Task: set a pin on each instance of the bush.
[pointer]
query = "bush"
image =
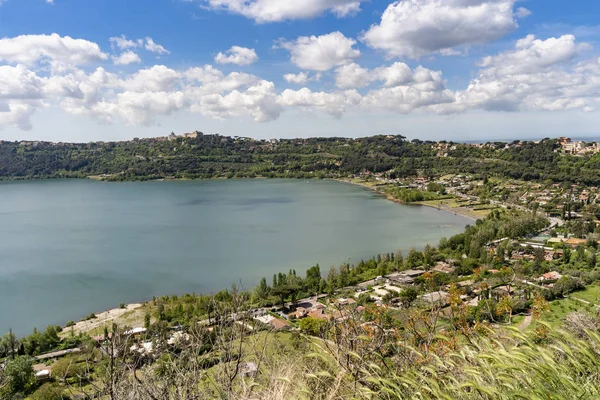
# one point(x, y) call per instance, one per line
point(67, 368)
point(312, 326)
point(49, 391)
point(91, 316)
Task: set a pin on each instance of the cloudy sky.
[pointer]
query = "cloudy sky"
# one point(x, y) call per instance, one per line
point(73, 70)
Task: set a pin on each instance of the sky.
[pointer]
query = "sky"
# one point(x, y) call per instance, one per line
point(80, 71)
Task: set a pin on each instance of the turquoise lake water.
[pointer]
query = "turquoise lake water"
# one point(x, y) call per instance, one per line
point(72, 247)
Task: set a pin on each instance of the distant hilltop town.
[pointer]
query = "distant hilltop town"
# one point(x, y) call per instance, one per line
point(567, 146)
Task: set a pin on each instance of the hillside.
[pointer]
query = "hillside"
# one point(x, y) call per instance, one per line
point(212, 156)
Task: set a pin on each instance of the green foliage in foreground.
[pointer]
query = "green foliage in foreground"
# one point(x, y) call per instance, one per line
point(17, 377)
point(563, 367)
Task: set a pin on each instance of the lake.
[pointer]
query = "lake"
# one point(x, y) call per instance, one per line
point(72, 247)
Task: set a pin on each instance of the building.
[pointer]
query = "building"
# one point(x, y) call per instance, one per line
point(279, 324)
point(319, 314)
point(346, 302)
point(550, 276)
point(444, 268)
point(438, 298)
point(42, 372)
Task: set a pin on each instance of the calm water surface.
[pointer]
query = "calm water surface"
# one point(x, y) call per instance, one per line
point(69, 248)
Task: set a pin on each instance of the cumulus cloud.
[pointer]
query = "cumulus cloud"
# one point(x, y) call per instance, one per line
point(263, 11)
point(155, 79)
point(19, 83)
point(414, 28)
point(31, 49)
point(355, 76)
point(302, 78)
point(258, 101)
point(213, 81)
point(122, 43)
point(155, 47)
point(126, 58)
point(531, 55)
point(405, 90)
point(16, 113)
point(237, 55)
point(321, 53)
point(333, 103)
point(536, 75)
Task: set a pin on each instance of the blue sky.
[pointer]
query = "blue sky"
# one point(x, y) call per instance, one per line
point(435, 69)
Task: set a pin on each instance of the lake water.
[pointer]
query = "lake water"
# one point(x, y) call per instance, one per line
point(72, 247)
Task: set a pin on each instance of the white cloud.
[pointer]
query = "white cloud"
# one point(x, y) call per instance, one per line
point(547, 75)
point(16, 113)
point(258, 101)
point(237, 55)
point(531, 55)
point(333, 103)
point(154, 47)
point(123, 43)
point(263, 11)
point(302, 78)
point(414, 28)
point(19, 83)
point(126, 58)
point(50, 1)
point(321, 53)
point(155, 79)
point(405, 90)
point(536, 75)
point(30, 49)
point(214, 81)
point(355, 76)
point(522, 12)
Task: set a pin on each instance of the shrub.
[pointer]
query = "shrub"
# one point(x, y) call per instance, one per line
point(48, 391)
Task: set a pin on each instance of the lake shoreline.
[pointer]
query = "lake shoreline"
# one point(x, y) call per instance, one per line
point(456, 211)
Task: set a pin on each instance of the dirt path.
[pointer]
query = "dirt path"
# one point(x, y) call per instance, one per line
point(525, 324)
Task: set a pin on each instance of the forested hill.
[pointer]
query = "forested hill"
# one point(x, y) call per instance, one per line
point(213, 156)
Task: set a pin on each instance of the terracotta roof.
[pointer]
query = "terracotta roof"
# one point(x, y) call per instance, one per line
point(318, 314)
point(279, 323)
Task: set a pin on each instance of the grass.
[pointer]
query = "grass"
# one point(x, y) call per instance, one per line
point(591, 294)
point(560, 308)
point(517, 320)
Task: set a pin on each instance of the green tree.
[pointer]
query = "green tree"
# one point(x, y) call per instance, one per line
point(313, 278)
point(429, 254)
point(67, 367)
point(19, 376)
point(262, 290)
point(312, 326)
point(414, 258)
point(408, 295)
point(9, 345)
